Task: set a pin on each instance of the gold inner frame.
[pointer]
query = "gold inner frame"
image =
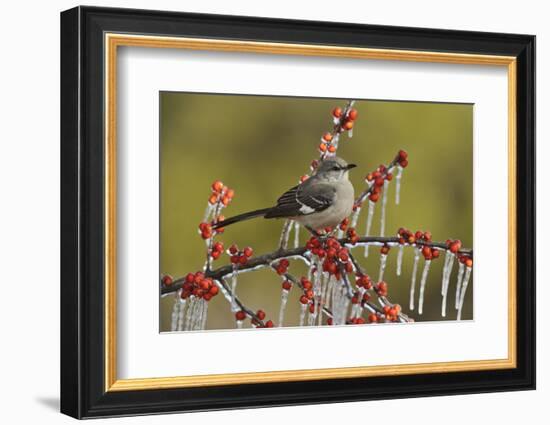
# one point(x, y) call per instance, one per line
point(113, 41)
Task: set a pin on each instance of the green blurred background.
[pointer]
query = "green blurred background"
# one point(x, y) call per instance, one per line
point(261, 145)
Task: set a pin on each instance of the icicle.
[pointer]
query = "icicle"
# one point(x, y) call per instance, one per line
point(413, 278)
point(285, 233)
point(239, 324)
point(284, 299)
point(175, 313)
point(181, 318)
point(370, 213)
point(354, 217)
point(383, 260)
point(303, 308)
point(328, 294)
point(208, 212)
point(234, 306)
point(190, 313)
point(445, 272)
point(383, 212)
point(423, 280)
point(398, 183)
point(296, 234)
point(400, 258)
point(350, 133)
point(458, 283)
point(204, 315)
point(463, 291)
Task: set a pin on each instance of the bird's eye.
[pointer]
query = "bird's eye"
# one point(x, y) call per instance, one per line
point(335, 168)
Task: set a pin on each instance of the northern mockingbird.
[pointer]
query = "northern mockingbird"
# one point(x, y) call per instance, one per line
point(323, 200)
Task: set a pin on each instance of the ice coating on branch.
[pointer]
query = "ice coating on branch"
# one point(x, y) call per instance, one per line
point(383, 212)
point(398, 177)
point(458, 283)
point(239, 324)
point(413, 278)
point(234, 306)
point(370, 213)
point(383, 260)
point(285, 233)
point(303, 308)
point(328, 293)
point(204, 315)
point(400, 259)
point(284, 300)
point(423, 281)
point(208, 212)
point(465, 281)
point(296, 234)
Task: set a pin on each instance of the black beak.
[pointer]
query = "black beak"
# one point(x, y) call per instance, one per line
point(350, 166)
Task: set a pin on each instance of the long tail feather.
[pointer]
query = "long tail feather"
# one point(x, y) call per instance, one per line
point(242, 217)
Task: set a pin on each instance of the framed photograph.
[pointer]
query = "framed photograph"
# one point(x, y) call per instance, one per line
point(261, 212)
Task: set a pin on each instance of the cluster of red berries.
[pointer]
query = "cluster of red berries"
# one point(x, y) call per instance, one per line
point(356, 321)
point(260, 315)
point(240, 257)
point(217, 250)
point(381, 289)
point(221, 193)
point(363, 281)
point(378, 177)
point(402, 158)
point(206, 230)
point(352, 235)
point(282, 266)
point(344, 123)
point(197, 285)
point(344, 224)
point(453, 245)
point(385, 249)
point(467, 261)
point(307, 288)
point(392, 312)
point(334, 254)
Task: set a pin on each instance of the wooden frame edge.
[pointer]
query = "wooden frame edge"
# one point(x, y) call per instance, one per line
point(114, 40)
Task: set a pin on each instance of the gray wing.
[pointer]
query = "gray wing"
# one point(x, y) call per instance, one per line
point(303, 199)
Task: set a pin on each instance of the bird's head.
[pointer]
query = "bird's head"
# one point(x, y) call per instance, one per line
point(333, 169)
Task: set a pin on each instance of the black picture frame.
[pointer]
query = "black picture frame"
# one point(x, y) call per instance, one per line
point(83, 392)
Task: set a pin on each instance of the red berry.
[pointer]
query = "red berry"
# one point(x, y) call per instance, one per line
point(327, 137)
point(385, 249)
point(190, 278)
point(435, 253)
point(373, 197)
point(269, 324)
point(426, 251)
point(287, 285)
point(242, 260)
point(167, 280)
point(248, 252)
point(329, 321)
point(260, 314)
point(332, 148)
point(207, 296)
point(233, 249)
point(217, 186)
point(373, 318)
point(404, 163)
point(322, 147)
point(359, 321)
point(469, 262)
point(352, 114)
point(337, 112)
point(304, 299)
point(403, 155)
point(455, 246)
point(214, 290)
point(348, 125)
point(240, 315)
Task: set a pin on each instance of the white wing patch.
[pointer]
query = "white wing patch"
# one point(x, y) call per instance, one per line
point(304, 209)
